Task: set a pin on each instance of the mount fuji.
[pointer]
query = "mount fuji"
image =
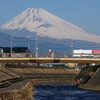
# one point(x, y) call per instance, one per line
point(40, 22)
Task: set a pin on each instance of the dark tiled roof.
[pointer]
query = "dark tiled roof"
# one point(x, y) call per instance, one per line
point(16, 50)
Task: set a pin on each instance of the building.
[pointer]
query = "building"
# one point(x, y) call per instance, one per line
point(96, 53)
point(16, 51)
point(82, 53)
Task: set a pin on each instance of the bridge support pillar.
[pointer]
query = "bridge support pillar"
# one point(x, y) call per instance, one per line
point(87, 64)
point(38, 64)
point(2, 65)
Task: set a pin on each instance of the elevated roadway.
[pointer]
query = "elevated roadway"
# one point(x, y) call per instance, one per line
point(50, 60)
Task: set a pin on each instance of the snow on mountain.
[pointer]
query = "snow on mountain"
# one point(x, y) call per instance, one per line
point(43, 23)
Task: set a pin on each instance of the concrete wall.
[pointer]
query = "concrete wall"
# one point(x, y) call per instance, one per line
point(92, 81)
point(95, 79)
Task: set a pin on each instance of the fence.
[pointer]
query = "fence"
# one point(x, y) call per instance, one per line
point(53, 55)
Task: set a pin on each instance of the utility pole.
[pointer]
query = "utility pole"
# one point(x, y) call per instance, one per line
point(36, 48)
point(72, 46)
point(11, 44)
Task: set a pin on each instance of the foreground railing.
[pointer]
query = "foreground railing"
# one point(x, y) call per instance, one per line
point(53, 55)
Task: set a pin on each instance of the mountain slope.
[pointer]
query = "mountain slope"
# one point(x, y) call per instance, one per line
point(38, 21)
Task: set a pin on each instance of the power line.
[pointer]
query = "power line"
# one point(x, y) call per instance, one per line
point(69, 42)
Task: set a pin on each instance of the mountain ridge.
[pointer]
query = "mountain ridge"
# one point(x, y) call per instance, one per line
point(41, 22)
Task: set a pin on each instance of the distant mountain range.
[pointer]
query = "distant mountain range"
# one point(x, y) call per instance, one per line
point(51, 31)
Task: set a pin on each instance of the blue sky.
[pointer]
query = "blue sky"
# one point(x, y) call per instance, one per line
point(84, 13)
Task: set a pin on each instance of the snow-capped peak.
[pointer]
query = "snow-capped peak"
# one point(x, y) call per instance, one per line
point(29, 19)
point(32, 18)
point(44, 23)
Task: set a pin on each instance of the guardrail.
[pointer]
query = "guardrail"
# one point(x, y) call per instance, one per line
point(52, 55)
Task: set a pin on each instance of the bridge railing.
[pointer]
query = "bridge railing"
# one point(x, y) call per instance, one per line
point(31, 55)
point(48, 55)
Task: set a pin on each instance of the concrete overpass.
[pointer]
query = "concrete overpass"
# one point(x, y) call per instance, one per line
point(50, 60)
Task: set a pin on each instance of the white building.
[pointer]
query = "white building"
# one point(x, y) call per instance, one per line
point(82, 53)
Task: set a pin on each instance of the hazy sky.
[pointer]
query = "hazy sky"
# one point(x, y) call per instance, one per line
point(84, 13)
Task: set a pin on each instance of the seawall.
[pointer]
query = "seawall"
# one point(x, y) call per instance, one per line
point(90, 78)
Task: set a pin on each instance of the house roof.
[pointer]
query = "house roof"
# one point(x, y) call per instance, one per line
point(16, 50)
